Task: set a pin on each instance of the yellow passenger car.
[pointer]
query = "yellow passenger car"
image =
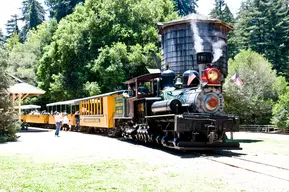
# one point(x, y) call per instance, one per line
point(98, 111)
point(69, 107)
point(37, 118)
point(32, 116)
point(26, 110)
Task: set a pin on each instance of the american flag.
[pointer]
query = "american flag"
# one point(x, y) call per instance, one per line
point(191, 78)
point(237, 80)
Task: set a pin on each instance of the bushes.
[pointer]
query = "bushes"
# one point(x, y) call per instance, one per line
point(261, 87)
point(281, 112)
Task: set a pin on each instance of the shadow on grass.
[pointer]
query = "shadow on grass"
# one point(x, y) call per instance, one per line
point(5, 140)
point(34, 130)
point(185, 154)
point(175, 152)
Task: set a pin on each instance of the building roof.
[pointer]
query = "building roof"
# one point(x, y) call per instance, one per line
point(103, 95)
point(76, 101)
point(68, 102)
point(22, 107)
point(143, 78)
point(192, 17)
point(25, 88)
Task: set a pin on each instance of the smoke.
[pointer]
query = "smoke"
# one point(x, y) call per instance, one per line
point(198, 40)
point(217, 49)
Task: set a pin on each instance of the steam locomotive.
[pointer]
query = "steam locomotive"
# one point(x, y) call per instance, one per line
point(181, 113)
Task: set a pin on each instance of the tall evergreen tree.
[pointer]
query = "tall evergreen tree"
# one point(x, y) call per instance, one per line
point(2, 38)
point(61, 8)
point(263, 26)
point(7, 123)
point(221, 11)
point(228, 17)
point(217, 11)
point(33, 15)
point(12, 25)
point(185, 7)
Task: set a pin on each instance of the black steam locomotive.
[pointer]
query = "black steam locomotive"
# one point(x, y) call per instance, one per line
point(176, 112)
point(181, 105)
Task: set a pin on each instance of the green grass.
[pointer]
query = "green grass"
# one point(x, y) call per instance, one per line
point(267, 146)
point(115, 175)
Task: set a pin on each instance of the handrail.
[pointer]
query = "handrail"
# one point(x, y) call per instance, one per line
point(263, 128)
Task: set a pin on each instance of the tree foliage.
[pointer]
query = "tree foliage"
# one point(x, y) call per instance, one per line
point(280, 112)
point(97, 39)
point(23, 59)
point(2, 39)
point(33, 15)
point(263, 26)
point(60, 8)
point(12, 26)
point(185, 7)
point(221, 11)
point(12, 41)
point(7, 121)
point(253, 100)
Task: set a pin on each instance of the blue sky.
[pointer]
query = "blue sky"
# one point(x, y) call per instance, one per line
point(11, 7)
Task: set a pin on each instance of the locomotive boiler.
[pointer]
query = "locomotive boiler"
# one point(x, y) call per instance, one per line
point(181, 105)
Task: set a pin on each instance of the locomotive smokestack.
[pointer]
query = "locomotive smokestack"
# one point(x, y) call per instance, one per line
point(203, 59)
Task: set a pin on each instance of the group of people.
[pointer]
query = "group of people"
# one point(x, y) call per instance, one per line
point(61, 120)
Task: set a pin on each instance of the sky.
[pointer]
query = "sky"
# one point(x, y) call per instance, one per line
point(11, 7)
point(8, 8)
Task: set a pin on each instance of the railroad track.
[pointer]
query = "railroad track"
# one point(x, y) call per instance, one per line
point(277, 172)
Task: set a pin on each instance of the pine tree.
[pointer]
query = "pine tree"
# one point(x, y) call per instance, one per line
point(2, 38)
point(33, 15)
point(221, 11)
point(12, 25)
point(276, 35)
point(263, 26)
point(61, 8)
point(7, 117)
point(228, 17)
point(185, 7)
point(217, 11)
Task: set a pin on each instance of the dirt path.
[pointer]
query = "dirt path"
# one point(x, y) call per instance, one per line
point(77, 147)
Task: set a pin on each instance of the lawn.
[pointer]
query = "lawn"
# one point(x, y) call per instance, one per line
point(18, 174)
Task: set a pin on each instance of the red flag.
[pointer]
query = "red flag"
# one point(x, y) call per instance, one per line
point(191, 78)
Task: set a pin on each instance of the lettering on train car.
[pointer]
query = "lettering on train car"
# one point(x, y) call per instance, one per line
point(119, 106)
point(91, 120)
point(34, 116)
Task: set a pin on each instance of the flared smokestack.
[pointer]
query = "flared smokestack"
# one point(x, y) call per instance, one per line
point(203, 59)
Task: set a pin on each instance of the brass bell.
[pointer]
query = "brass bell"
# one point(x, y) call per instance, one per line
point(178, 84)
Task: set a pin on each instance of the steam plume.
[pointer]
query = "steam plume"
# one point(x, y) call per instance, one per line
point(198, 40)
point(217, 49)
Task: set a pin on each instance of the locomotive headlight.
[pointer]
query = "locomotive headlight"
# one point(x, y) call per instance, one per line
point(213, 74)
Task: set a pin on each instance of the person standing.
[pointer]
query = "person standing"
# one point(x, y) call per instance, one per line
point(66, 124)
point(58, 120)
